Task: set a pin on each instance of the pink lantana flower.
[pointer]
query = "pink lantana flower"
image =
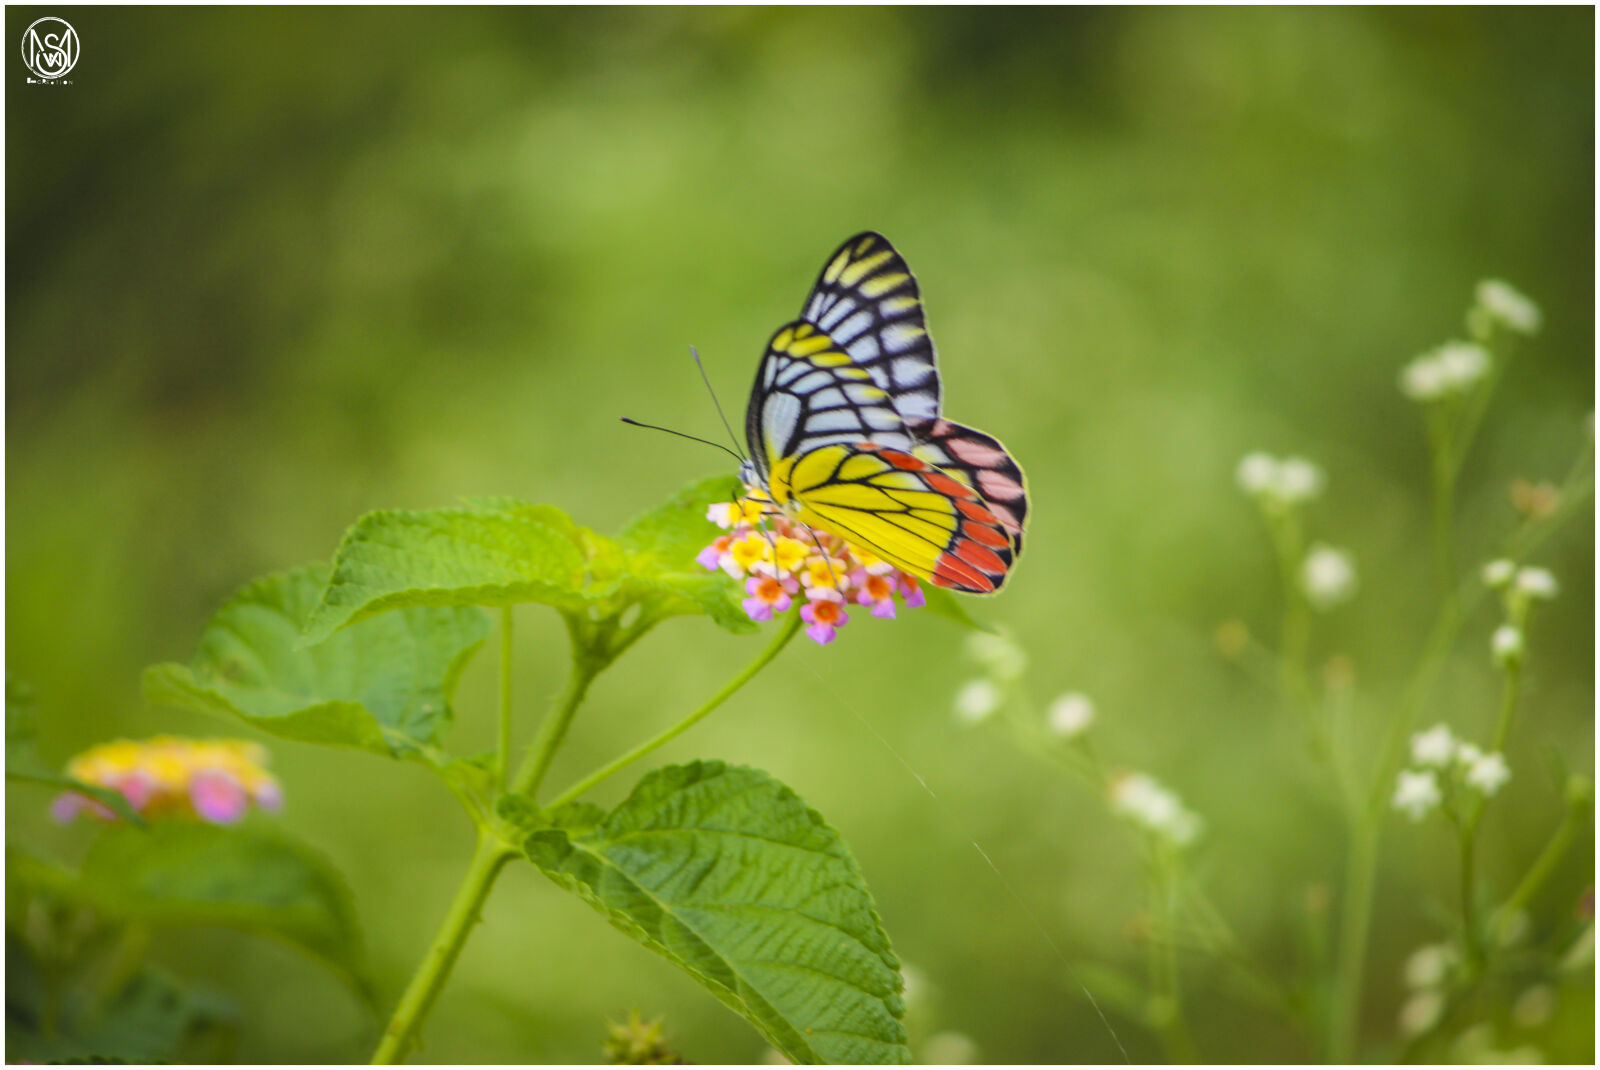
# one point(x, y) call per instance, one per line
point(825, 613)
point(875, 592)
point(215, 780)
point(768, 595)
point(775, 556)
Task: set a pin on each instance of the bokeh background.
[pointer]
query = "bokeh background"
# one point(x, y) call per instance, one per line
point(268, 270)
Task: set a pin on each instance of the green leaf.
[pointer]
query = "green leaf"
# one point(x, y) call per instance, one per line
point(383, 685)
point(23, 764)
point(248, 877)
point(660, 548)
point(726, 872)
point(941, 603)
point(490, 553)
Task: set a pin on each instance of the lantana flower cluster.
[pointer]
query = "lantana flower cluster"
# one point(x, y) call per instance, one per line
point(216, 780)
point(782, 562)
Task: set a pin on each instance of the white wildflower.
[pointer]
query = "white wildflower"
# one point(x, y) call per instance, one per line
point(1489, 773)
point(1142, 800)
point(1418, 1013)
point(1463, 363)
point(1507, 645)
point(1429, 965)
point(1423, 379)
point(1436, 746)
point(1070, 715)
point(1498, 573)
point(1328, 576)
point(1508, 306)
point(977, 701)
point(1467, 753)
point(950, 1049)
point(1257, 473)
point(1453, 368)
point(1537, 583)
point(1000, 657)
point(1287, 482)
point(1415, 793)
point(1299, 480)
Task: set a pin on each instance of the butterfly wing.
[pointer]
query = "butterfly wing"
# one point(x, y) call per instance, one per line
point(985, 466)
point(899, 507)
point(858, 366)
point(867, 301)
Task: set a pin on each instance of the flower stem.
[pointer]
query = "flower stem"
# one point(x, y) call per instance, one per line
point(398, 1039)
point(1577, 809)
point(553, 730)
point(502, 754)
point(791, 626)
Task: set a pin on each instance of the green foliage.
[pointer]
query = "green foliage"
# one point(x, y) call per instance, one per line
point(472, 556)
point(24, 765)
point(250, 877)
point(384, 685)
point(727, 873)
point(149, 1018)
point(500, 552)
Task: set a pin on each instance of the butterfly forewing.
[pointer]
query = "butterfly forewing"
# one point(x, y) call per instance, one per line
point(867, 301)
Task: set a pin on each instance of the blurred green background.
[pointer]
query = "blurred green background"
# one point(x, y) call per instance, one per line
point(268, 270)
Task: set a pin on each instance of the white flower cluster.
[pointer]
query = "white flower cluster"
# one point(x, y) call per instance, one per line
point(1003, 662)
point(1426, 971)
point(1143, 801)
point(1453, 368)
point(1328, 576)
point(1288, 481)
point(1437, 752)
point(1520, 588)
point(1070, 715)
point(1501, 303)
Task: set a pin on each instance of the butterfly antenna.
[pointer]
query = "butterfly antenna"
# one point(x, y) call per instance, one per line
point(680, 434)
point(704, 378)
point(826, 560)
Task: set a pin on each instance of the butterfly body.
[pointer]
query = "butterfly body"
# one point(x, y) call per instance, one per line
point(845, 432)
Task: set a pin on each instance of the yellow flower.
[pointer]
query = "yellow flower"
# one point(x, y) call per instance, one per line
point(750, 551)
point(791, 554)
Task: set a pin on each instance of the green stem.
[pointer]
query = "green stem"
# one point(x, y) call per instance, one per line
point(1443, 500)
point(790, 627)
point(1543, 866)
point(502, 754)
point(400, 1036)
point(553, 731)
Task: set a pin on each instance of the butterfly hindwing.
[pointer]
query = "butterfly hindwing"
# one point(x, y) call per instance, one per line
point(895, 505)
point(986, 468)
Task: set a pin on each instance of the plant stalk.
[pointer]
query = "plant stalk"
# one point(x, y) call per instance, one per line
point(502, 754)
point(401, 1034)
point(791, 626)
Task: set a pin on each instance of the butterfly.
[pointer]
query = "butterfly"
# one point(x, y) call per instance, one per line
point(845, 432)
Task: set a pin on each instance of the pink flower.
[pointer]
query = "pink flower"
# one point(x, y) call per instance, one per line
point(825, 613)
point(874, 591)
point(768, 595)
point(217, 796)
point(711, 557)
point(910, 591)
